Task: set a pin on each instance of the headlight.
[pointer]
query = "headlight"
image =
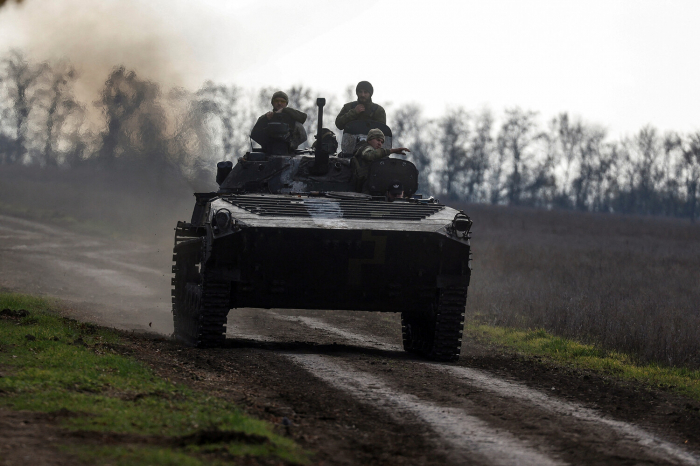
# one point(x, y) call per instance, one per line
point(462, 222)
point(221, 221)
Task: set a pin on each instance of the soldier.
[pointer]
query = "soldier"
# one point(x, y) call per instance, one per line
point(394, 191)
point(362, 109)
point(368, 152)
point(280, 113)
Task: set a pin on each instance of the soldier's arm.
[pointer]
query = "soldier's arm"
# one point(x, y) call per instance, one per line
point(257, 132)
point(345, 116)
point(261, 120)
point(369, 154)
point(379, 115)
point(295, 114)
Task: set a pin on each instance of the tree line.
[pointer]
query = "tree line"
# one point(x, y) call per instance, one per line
point(565, 164)
point(472, 156)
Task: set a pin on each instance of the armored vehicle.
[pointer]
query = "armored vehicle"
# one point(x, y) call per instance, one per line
point(288, 229)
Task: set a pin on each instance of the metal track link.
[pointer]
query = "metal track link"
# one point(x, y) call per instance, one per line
point(437, 332)
point(449, 324)
point(213, 307)
point(200, 303)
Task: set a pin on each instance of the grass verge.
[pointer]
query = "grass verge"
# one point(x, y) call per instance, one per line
point(52, 364)
point(584, 356)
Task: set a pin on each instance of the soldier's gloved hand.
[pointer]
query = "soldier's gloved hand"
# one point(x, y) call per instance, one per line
point(269, 115)
point(400, 150)
point(360, 108)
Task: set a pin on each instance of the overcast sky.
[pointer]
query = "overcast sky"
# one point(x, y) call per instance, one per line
point(622, 64)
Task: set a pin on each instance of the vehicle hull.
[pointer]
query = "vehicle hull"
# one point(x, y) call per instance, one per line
point(367, 270)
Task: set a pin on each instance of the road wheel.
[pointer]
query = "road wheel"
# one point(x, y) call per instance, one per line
point(436, 333)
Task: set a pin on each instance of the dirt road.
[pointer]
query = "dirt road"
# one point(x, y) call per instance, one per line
point(339, 382)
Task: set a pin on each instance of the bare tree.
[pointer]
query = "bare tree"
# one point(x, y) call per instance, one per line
point(136, 122)
point(641, 156)
point(592, 164)
point(514, 141)
point(649, 150)
point(59, 105)
point(413, 131)
point(452, 138)
point(691, 157)
point(570, 136)
point(670, 186)
point(19, 81)
point(479, 157)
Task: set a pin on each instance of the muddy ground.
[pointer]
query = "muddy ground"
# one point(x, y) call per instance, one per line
point(338, 382)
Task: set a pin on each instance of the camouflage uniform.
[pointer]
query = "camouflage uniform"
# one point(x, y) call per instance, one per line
point(362, 159)
point(289, 116)
point(372, 112)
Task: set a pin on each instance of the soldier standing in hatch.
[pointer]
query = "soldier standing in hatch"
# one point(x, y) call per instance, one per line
point(362, 109)
point(368, 152)
point(280, 113)
point(394, 191)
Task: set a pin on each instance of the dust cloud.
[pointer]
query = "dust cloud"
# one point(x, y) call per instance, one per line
point(96, 36)
point(130, 171)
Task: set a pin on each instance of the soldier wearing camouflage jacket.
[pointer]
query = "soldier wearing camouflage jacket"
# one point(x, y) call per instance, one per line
point(367, 153)
point(362, 109)
point(283, 114)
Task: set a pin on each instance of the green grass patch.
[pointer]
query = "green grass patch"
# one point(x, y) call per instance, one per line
point(18, 301)
point(538, 342)
point(53, 364)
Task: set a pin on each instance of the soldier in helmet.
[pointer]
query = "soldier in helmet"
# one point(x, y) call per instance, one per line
point(368, 152)
point(394, 191)
point(280, 113)
point(362, 109)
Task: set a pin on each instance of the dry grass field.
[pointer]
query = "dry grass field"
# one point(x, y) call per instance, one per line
point(627, 283)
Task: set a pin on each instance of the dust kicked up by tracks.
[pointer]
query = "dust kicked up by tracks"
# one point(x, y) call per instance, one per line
point(339, 383)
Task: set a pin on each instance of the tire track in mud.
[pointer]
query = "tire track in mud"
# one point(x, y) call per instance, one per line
point(469, 439)
point(517, 391)
point(610, 436)
point(468, 436)
point(520, 392)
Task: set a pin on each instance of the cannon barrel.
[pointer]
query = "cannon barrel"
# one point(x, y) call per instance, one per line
point(320, 155)
point(321, 102)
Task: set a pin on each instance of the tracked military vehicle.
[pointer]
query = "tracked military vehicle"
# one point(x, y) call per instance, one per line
point(287, 229)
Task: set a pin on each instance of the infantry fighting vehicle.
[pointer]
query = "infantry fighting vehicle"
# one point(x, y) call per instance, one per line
point(287, 229)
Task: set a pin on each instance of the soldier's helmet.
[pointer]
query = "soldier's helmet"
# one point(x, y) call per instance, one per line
point(395, 188)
